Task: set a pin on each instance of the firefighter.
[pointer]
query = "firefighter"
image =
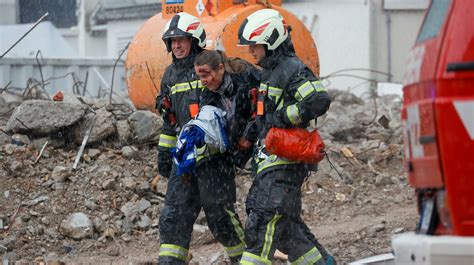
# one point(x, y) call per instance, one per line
point(290, 96)
point(178, 101)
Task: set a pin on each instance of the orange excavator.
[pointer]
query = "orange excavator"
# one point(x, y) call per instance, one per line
point(147, 57)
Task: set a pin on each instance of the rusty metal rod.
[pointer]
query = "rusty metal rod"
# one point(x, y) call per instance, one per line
point(113, 71)
point(24, 35)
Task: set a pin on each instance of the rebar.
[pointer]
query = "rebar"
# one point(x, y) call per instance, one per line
point(24, 35)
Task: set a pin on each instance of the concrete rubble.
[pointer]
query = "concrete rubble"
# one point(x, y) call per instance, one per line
point(78, 226)
point(106, 208)
point(43, 117)
point(70, 121)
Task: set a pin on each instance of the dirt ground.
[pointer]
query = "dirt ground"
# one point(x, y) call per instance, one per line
point(353, 212)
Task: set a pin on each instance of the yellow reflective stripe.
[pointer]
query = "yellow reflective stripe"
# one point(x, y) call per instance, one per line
point(168, 137)
point(204, 152)
point(235, 251)
point(267, 245)
point(275, 91)
point(272, 91)
point(173, 251)
point(201, 152)
point(182, 87)
point(282, 102)
point(304, 90)
point(271, 161)
point(307, 88)
point(167, 140)
point(318, 86)
point(235, 222)
point(252, 259)
point(293, 114)
point(310, 257)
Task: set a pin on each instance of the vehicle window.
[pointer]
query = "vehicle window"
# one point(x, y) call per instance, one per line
point(434, 20)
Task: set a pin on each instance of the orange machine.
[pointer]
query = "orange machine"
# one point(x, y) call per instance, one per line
point(147, 58)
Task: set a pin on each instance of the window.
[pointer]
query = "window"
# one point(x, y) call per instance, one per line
point(434, 20)
point(62, 13)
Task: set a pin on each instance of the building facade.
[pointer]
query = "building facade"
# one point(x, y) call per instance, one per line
point(361, 34)
point(350, 34)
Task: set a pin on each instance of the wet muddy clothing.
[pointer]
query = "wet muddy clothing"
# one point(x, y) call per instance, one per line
point(216, 196)
point(211, 187)
point(233, 96)
point(295, 96)
point(181, 86)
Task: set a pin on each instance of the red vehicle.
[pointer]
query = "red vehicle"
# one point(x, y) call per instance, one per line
point(438, 119)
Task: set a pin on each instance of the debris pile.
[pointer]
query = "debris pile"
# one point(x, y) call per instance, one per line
point(107, 208)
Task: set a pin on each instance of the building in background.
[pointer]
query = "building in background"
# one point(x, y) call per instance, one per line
point(94, 28)
point(83, 37)
point(349, 34)
point(368, 34)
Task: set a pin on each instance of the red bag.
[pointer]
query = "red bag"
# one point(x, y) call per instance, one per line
point(295, 144)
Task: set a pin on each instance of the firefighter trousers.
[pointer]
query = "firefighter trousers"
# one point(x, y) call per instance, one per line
point(274, 220)
point(211, 188)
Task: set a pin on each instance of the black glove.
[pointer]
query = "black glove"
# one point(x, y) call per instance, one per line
point(275, 120)
point(273, 117)
point(159, 104)
point(250, 132)
point(164, 163)
point(269, 105)
point(241, 157)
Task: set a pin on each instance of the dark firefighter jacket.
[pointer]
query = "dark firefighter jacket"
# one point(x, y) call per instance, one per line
point(181, 85)
point(304, 99)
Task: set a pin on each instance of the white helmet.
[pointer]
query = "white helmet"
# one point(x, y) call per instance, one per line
point(184, 24)
point(265, 26)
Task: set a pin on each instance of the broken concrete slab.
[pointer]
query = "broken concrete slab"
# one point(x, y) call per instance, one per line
point(99, 224)
point(146, 126)
point(37, 200)
point(78, 226)
point(374, 118)
point(20, 139)
point(4, 138)
point(130, 152)
point(129, 209)
point(96, 103)
point(143, 204)
point(7, 244)
point(93, 153)
point(104, 126)
point(144, 222)
point(44, 117)
point(60, 174)
point(124, 132)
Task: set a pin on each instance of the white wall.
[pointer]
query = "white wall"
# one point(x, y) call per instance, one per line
point(404, 29)
point(8, 12)
point(119, 33)
point(342, 35)
point(70, 35)
point(354, 34)
point(96, 46)
point(18, 70)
